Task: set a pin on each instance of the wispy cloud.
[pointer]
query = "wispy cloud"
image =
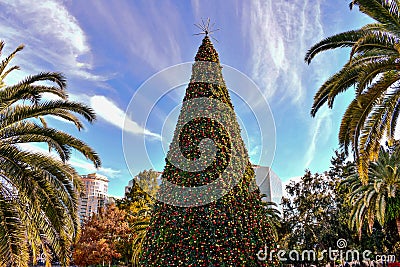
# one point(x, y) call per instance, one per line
point(280, 33)
point(52, 35)
point(196, 7)
point(88, 167)
point(320, 132)
point(154, 44)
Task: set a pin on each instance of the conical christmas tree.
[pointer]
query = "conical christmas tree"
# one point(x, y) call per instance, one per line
point(207, 213)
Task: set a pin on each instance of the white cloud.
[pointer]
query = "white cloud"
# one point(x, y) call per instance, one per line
point(110, 112)
point(196, 7)
point(51, 35)
point(280, 32)
point(88, 167)
point(51, 18)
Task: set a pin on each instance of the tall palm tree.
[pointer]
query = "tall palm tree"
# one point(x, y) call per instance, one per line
point(38, 191)
point(379, 198)
point(373, 70)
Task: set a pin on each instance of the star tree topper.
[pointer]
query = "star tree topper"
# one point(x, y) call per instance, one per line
point(206, 28)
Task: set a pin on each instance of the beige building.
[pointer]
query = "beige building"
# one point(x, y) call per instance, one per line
point(95, 195)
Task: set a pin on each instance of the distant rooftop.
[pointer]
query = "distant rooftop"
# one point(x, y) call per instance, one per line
point(95, 176)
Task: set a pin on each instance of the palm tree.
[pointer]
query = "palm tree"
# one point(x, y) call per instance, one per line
point(373, 70)
point(142, 222)
point(272, 214)
point(138, 204)
point(379, 198)
point(38, 191)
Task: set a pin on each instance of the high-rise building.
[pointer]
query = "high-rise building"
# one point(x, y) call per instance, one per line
point(129, 186)
point(95, 195)
point(269, 183)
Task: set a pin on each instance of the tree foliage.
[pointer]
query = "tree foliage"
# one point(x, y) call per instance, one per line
point(117, 232)
point(273, 215)
point(314, 211)
point(320, 209)
point(103, 236)
point(143, 191)
point(372, 70)
point(378, 199)
point(138, 203)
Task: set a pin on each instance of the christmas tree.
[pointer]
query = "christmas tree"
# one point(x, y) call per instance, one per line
point(207, 213)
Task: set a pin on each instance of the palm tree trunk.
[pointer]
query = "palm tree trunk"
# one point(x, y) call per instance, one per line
point(398, 224)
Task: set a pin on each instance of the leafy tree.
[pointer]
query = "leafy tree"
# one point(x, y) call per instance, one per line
point(229, 230)
point(147, 180)
point(102, 237)
point(373, 70)
point(314, 214)
point(320, 209)
point(143, 191)
point(38, 192)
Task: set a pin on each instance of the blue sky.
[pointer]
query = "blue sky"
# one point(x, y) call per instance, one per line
point(107, 49)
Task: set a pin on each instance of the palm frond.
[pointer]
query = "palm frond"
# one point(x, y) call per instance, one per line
point(375, 200)
point(26, 131)
point(345, 39)
point(382, 11)
point(12, 231)
point(379, 42)
point(56, 108)
point(336, 84)
point(373, 69)
point(7, 60)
